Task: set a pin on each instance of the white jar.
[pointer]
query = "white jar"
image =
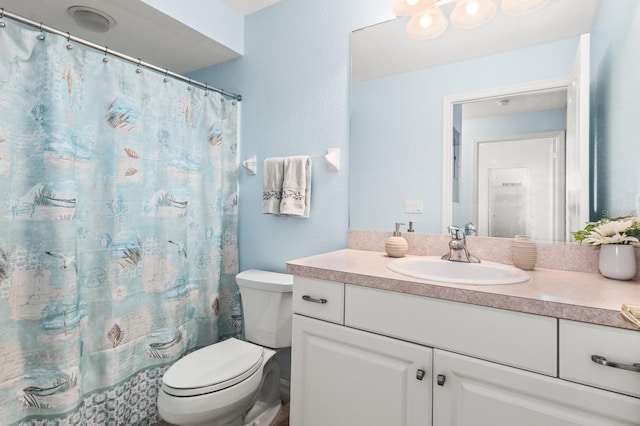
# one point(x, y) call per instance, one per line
point(524, 252)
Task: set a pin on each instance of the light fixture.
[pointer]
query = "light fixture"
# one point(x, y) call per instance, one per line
point(521, 7)
point(472, 13)
point(91, 19)
point(428, 24)
point(427, 20)
point(502, 102)
point(411, 7)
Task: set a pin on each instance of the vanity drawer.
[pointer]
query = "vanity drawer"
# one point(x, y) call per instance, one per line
point(513, 338)
point(580, 341)
point(319, 299)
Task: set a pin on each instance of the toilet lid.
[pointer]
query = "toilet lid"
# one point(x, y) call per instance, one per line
point(213, 368)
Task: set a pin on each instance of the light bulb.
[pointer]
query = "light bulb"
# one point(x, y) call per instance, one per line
point(425, 20)
point(411, 7)
point(472, 8)
point(472, 13)
point(427, 25)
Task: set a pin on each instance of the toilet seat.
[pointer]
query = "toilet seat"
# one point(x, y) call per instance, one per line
point(213, 368)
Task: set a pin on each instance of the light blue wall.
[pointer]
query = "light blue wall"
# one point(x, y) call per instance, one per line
point(295, 79)
point(615, 122)
point(496, 127)
point(397, 130)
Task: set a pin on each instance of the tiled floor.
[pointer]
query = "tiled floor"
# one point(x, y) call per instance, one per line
point(281, 420)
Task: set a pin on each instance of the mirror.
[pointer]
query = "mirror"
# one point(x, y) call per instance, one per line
point(399, 119)
point(508, 167)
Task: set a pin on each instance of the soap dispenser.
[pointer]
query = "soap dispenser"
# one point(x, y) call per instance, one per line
point(396, 246)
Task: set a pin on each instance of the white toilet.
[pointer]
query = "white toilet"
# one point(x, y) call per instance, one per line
point(233, 382)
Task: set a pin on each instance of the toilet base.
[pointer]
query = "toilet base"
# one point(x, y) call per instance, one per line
point(268, 402)
point(266, 417)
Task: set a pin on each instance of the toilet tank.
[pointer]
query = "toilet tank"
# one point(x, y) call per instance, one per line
point(266, 303)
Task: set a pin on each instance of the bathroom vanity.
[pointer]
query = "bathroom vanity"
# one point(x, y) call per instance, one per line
point(372, 347)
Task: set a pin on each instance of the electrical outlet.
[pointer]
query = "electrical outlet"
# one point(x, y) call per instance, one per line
point(413, 206)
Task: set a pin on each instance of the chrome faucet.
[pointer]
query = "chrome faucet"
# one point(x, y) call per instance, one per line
point(470, 229)
point(458, 247)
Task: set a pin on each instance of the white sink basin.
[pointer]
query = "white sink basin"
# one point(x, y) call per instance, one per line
point(433, 268)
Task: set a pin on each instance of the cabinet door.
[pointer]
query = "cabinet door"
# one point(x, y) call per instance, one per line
point(481, 393)
point(346, 377)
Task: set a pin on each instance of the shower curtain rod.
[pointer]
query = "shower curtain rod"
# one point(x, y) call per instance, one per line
point(107, 51)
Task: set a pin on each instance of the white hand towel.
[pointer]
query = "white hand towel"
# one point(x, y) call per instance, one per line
point(272, 185)
point(296, 188)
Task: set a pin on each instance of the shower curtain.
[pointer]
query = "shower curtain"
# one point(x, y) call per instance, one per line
point(118, 225)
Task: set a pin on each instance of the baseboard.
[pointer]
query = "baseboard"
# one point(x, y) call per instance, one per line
point(285, 390)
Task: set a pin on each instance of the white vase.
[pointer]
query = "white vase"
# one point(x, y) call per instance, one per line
point(617, 261)
point(524, 252)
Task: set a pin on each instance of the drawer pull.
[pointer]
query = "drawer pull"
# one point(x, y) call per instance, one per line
point(603, 361)
point(311, 299)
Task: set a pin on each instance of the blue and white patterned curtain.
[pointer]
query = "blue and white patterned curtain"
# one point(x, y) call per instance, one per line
point(118, 224)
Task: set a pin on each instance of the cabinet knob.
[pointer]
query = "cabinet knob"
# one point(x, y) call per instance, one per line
point(441, 379)
point(420, 374)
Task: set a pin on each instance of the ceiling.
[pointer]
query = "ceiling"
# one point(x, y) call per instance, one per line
point(515, 104)
point(146, 33)
point(247, 7)
point(386, 49)
point(141, 31)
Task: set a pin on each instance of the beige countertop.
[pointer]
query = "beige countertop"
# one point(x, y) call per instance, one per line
point(578, 296)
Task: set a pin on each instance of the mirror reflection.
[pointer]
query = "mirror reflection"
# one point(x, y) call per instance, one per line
point(402, 90)
point(508, 172)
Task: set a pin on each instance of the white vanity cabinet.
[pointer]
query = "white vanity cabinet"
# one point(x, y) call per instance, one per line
point(604, 357)
point(364, 356)
point(473, 392)
point(346, 377)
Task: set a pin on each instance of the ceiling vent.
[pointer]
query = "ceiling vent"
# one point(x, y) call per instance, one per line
point(91, 19)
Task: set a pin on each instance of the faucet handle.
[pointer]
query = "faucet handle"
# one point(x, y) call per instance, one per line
point(456, 232)
point(470, 229)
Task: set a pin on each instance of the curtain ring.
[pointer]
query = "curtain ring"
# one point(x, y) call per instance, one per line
point(2, 24)
point(189, 88)
point(69, 45)
point(206, 89)
point(41, 35)
point(106, 52)
point(138, 70)
point(166, 73)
